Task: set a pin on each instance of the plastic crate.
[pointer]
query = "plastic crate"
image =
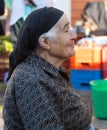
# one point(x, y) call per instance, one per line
point(87, 58)
point(104, 74)
point(4, 64)
point(104, 58)
point(85, 74)
point(4, 61)
point(82, 85)
point(81, 78)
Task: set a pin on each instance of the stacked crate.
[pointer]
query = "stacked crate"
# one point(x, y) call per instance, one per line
point(86, 66)
point(4, 64)
point(104, 62)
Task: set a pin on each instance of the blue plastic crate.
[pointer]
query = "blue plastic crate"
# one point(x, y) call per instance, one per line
point(85, 75)
point(82, 85)
point(81, 78)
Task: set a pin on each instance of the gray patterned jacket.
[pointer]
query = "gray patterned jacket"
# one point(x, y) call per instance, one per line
point(40, 97)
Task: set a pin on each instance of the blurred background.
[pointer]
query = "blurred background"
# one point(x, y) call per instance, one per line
point(87, 69)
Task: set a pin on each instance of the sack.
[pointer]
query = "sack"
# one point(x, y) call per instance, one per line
point(15, 29)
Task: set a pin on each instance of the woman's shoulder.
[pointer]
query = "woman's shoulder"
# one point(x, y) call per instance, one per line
point(25, 70)
point(23, 76)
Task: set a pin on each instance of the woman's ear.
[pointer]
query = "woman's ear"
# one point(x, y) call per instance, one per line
point(44, 42)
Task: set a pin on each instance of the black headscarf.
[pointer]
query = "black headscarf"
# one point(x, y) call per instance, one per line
point(37, 23)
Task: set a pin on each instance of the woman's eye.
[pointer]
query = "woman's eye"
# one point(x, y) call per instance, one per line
point(66, 30)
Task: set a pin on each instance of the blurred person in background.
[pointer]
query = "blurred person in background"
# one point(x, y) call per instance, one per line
point(20, 9)
point(1, 7)
point(95, 24)
point(1, 13)
point(39, 95)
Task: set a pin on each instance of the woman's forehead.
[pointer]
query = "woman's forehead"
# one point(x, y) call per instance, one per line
point(62, 22)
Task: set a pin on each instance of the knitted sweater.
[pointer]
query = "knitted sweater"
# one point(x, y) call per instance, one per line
point(40, 97)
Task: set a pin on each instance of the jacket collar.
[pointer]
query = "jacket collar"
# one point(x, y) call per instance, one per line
point(43, 64)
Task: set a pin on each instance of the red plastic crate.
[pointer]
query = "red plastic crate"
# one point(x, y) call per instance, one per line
point(104, 74)
point(104, 58)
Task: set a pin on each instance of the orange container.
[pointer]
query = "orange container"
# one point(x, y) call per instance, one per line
point(87, 58)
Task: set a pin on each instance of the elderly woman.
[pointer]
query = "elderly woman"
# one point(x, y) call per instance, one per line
point(39, 95)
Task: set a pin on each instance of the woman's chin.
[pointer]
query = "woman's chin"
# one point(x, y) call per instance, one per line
point(72, 54)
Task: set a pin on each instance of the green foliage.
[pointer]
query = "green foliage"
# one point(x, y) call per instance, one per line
point(5, 44)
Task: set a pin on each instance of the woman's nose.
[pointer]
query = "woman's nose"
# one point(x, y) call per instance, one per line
point(73, 35)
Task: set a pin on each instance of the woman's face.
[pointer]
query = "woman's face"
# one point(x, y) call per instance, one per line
point(62, 45)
